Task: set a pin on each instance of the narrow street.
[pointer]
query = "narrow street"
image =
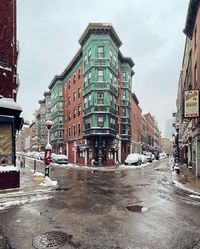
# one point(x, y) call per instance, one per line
point(94, 209)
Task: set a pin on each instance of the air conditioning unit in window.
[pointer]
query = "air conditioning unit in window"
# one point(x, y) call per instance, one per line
point(100, 96)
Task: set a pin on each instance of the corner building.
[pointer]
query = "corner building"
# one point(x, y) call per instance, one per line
point(97, 99)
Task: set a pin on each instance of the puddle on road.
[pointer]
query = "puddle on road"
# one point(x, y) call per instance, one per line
point(137, 208)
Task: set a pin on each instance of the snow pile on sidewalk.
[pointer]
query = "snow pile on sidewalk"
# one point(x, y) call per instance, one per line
point(48, 182)
point(8, 168)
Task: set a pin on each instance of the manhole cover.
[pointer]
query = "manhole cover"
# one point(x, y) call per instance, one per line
point(137, 208)
point(53, 239)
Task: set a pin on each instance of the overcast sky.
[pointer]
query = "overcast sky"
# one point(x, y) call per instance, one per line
point(151, 32)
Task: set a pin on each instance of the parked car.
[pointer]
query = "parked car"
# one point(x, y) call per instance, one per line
point(149, 157)
point(176, 168)
point(162, 155)
point(133, 159)
point(41, 156)
point(60, 159)
point(143, 158)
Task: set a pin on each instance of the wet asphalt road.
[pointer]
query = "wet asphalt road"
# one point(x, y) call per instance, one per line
point(91, 207)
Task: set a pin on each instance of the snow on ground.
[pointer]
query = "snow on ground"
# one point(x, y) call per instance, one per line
point(48, 182)
point(180, 185)
point(195, 196)
point(8, 168)
point(24, 200)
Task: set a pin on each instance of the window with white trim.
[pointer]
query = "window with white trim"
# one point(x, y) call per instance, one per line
point(100, 52)
point(86, 59)
point(111, 78)
point(100, 75)
point(100, 121)
point(89, 77)
point(89, 54)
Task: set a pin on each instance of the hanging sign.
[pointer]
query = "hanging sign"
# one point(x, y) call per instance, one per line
point(191, 103)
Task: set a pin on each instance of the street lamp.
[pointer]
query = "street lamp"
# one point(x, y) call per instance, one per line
point(48, 148)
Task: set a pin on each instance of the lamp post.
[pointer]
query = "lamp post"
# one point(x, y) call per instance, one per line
point(48, 148)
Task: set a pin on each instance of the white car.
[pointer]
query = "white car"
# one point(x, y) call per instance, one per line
point(143, 158)
point(149, 157)
point(133, 159)
point(60, 159)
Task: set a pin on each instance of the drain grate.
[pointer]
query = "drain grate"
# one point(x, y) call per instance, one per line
point(135, 208)
point(53, 239)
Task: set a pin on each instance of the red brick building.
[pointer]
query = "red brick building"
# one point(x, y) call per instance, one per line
point(136, 127)
point(150, 130)
point(8, 49)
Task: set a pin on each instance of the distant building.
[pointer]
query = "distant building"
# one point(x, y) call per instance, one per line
point(33, 137)
point(24, 139)
point(150, 131)
point(167, 146)
point(136, 128)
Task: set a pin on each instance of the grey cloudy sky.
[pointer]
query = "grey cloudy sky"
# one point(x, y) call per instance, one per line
point(151, 33)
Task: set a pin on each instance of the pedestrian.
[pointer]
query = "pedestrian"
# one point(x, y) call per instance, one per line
point(93, 162)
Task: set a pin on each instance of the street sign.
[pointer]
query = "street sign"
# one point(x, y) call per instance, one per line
point(191, 104)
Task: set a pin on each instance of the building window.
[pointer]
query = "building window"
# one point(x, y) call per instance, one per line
point(124, 76)
point(100, 75)
point(89, 54)
point(115, 60)
point(81, 154)
point(85, 81)
point(74, 130)
point(111, 78)
point(86, 59)
point(123, 129)
point(100, 98)
point(69, 116)
point(79, 92)
point(85, 103)
point(79, 129)
point(115, 80)
point(69, 132)
point(100, 52)
point(89, 100)
point(123, 111)
point(74, 78)
point(74, 113)
point(111, 54)
point(69, 84)
point(87, 123)
point(79, 110)
point(69, 100)
point(74, 96)
point(79, 74)
point(100, 121)
point(112, 123)
point(60, 134)
point(112, 100)
point(89, 77)
point(110, 155)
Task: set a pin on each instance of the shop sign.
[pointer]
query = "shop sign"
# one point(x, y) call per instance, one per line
point(191, 104)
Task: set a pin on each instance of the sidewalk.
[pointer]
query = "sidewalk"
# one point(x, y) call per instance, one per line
point(186, 180)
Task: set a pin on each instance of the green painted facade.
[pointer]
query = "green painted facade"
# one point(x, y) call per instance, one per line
point(100, 91)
